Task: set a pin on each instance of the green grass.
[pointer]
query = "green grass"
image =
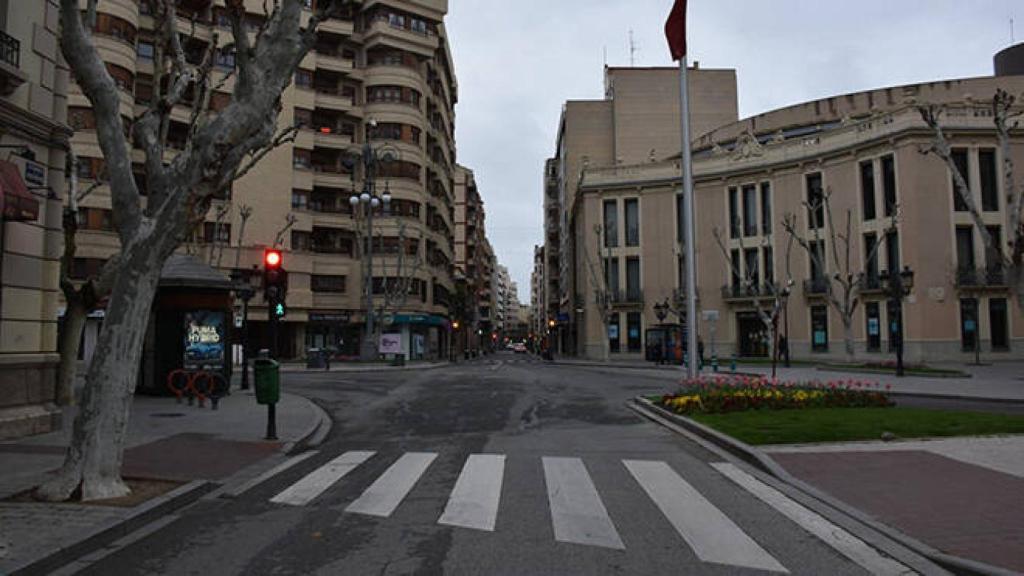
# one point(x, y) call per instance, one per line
point(844, 424)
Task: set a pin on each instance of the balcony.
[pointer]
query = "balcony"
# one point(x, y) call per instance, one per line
point(991, 278)
point(870, 284)
point(11, 75)
point(626, 298)
point(817, 287)
point(739, 293)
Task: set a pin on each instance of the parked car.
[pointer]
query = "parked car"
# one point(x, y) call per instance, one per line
point(519, 348)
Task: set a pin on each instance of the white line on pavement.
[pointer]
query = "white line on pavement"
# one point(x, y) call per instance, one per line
point(384, 495)
point(250, 484)
point(474, 500)
point(842, 541)
point(314, 483)
point(709, 532)
point(577, 513)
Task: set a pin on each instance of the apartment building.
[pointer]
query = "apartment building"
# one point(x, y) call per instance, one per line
point(863, 149)
point(33, 149)
point(381, 74)
point(636, 122)
point(538, 305)
point(473, 260)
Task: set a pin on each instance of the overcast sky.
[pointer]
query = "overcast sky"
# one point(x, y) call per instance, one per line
point(518, 61)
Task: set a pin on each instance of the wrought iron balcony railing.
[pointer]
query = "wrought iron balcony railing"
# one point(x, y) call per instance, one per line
point(10, 50)
point(989, 277)
point(819, 286)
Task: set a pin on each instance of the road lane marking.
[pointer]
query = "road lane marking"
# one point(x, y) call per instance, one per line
point(474, 500)
point(842, 541)
point(384, 495)
point(577, 513)
point(314, 483)
point(252, 483)
point(709, 532)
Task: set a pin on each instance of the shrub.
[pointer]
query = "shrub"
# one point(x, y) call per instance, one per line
point(714, 395)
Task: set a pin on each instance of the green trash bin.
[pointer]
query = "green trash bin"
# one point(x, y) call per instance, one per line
point(268, 380)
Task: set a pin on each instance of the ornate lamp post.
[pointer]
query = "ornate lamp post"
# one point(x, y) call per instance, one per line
point(244, 291)
point(363, 206)
point(661, 310)
point(898, 287)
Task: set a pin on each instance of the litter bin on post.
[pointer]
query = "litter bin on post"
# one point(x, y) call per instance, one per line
point(268, 390)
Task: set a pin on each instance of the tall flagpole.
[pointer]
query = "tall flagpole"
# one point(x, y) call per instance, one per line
point(691, 277)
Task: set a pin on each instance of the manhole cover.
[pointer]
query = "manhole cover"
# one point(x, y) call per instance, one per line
point(167, 415)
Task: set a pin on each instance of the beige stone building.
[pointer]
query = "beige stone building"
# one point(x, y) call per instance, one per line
point(33, 147)
point(383, 73)
point(474, 261)
point(861, 148)
point(636, 122)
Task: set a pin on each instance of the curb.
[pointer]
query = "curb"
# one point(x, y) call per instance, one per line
point(108, 532)
point(961, 397)
point(314, 433)
point(827, 368)
point(763, 462)
point(364, 370)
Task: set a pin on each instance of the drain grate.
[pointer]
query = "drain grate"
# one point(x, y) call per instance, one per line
point(168, 415)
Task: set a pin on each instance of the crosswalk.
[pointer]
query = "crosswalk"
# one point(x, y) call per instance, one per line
point(577, 513)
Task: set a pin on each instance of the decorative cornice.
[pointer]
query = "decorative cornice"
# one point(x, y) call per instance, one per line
point(33, 126)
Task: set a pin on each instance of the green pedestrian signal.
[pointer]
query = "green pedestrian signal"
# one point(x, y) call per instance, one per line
point(279, 310)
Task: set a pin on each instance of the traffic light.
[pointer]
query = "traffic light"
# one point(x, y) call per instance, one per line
point(275, 280)
point(279, 310)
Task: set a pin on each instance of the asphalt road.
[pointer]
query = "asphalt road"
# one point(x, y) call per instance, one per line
point(505, 465)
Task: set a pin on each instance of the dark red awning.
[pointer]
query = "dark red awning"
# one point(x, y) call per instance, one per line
point(18, 202)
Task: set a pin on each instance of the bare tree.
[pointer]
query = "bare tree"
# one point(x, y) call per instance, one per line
point(80, 299)
point(218, 242)
point(244, 213)
point(768, 299)
point(289, 221)
point(602, 292)
point(1005, 113)
point(219, 147)
point(842, 289)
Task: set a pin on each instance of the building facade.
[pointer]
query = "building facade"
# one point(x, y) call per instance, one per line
point(381, 74)
point(897, 206)
point(33, 150)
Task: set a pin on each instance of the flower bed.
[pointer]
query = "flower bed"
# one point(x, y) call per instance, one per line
point(739, 393)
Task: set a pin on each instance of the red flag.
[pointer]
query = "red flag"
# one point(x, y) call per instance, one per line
point(675, 30)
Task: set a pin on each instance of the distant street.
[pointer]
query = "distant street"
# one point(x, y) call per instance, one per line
point(501, 465)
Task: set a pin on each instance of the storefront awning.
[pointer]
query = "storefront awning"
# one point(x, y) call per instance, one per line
point(18, 202)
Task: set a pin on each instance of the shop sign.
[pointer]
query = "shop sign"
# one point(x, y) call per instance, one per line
point(390, 343)
point(204, 338)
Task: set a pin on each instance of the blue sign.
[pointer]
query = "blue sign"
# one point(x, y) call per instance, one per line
point(562, 317)
point(613, 331)
point(970, 326)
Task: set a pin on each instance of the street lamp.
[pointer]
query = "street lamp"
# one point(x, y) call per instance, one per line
point(661, 310)
point(364, 205)
point(898, 287)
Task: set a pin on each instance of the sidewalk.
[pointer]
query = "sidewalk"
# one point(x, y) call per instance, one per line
point(961, 496)
point(997, 381)
point(361, 367)
point(183, 444)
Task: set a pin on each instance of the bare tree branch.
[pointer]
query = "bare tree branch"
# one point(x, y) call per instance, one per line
point(289, 221)
point(244, 213)
point(283, 137)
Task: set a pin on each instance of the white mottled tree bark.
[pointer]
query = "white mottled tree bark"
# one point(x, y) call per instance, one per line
point(219, 148)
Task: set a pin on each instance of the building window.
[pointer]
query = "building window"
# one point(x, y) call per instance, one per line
point(303, 118)
point(960, 160)
point(80, 118)
point(327, 283)
point(300, 199)
point(300, 240)
point(611, 275)
point(994, 254)
point(889, 184)
point(633, 279)
point(611, 224)
point(633, 329)
point(819, 328)
point(769, 265)
point(144, 50)
point(613, 333)
point(873, 329)
point(965, 248)
point(304, 78)
point(817, 256)
point(215, 232)
point(894, 323)
point(892, 251)
point(871, 259)
point(750, 266)
point(749, 210)
point(867, 189)
point(301, 158)
point(815, 201)
point(766, 208)
point(225, 59)
point(968, 323)
point(998, 325)
point(680, 219)
point(737, 281)
point(989, 181)
point(632, 209)
point(734, 215)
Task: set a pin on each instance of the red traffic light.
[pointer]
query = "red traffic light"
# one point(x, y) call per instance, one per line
point(272, 258)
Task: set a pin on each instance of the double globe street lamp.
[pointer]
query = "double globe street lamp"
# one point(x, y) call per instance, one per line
point(364, 205)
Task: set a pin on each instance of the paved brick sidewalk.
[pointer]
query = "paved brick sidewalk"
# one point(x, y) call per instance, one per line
point(166, 440)
point(930, 493)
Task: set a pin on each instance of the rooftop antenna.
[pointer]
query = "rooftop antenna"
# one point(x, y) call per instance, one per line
point(605, 49)
point(632, 50)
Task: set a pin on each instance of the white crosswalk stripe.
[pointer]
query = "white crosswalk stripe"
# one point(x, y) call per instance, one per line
point(577, 513)
point(709, 532)
point(474, 500)
point(839, 539)
point(384, 495)
point(314, 483)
